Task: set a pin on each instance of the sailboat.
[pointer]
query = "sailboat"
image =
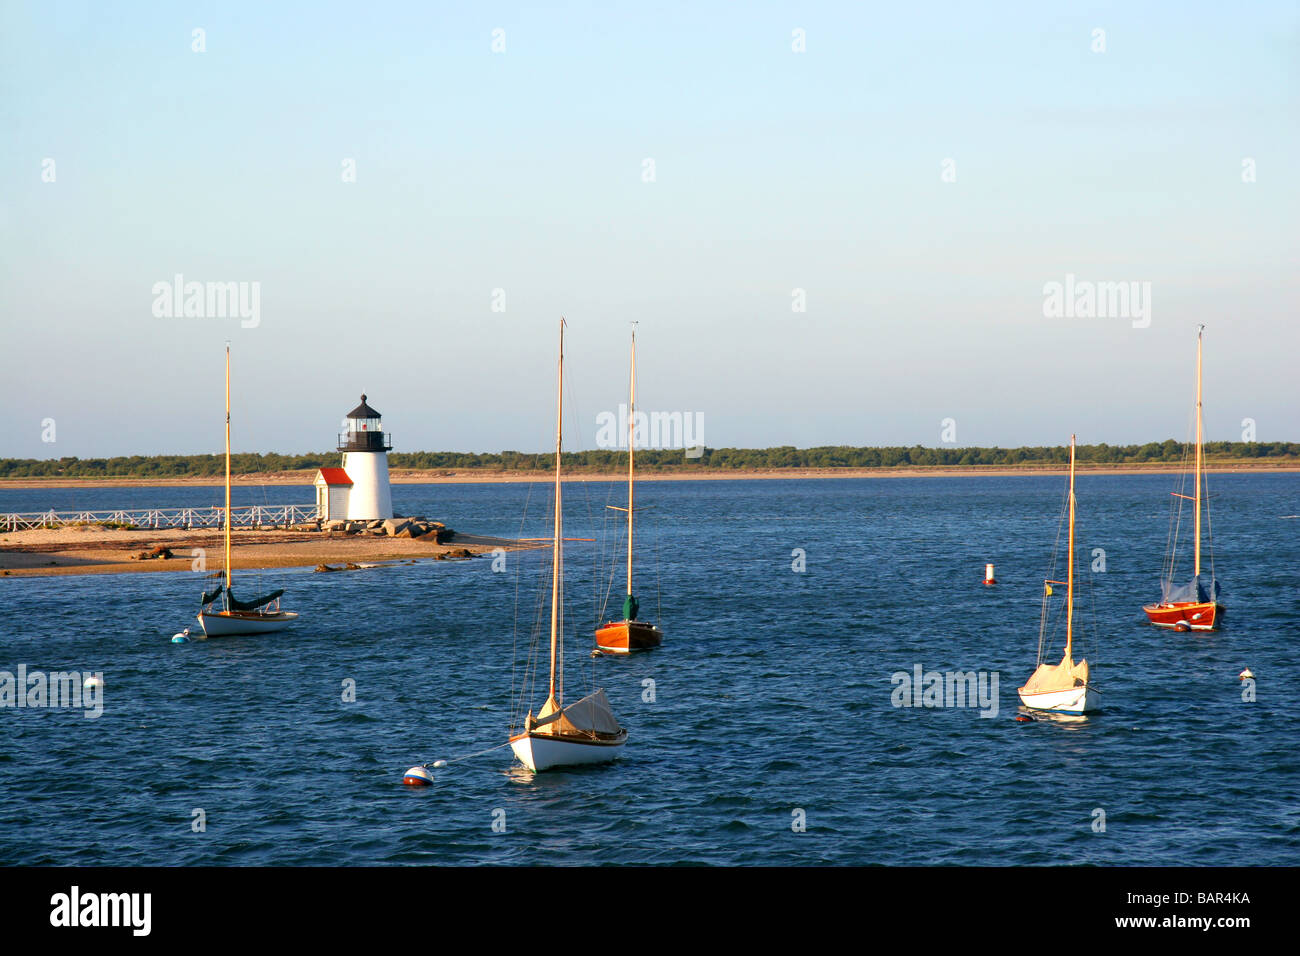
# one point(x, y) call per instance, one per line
point(585, 731)
point(629, 634)
point(1062, 688)
point(1193, 606)
point(235, 616)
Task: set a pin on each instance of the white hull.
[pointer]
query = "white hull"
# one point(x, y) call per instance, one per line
point(1074, 700)
point(540, 752)
point(225, 625)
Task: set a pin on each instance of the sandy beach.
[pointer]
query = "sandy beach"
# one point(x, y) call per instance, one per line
point(91, 549)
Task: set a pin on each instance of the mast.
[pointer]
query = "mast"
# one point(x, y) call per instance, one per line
point(557, 554)
point(1069, 586)
point(631, 435)
point(1199, 462)
point(227, 532)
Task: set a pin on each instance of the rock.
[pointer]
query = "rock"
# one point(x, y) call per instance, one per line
point(324, 567)
point(377, 523)
point(394, 525)
point(335, 525)
point(351, 567)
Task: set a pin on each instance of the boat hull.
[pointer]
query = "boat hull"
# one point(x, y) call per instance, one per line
point(540, 752)
point(1199, 616)
point(1072, 700)
point(623, 637)
point(230, 623)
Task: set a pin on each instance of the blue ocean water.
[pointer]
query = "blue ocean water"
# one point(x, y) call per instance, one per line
point(772, 692)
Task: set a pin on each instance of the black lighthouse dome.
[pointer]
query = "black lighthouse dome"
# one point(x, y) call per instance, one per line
point(365, 430)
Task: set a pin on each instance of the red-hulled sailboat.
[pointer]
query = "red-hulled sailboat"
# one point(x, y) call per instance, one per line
point(1193, 606)
point(629, 634)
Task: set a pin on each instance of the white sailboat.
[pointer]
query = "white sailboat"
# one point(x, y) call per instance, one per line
point(585, 731)
point(1062, 688)
point(239, 617)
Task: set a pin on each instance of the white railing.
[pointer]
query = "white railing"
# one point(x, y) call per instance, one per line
point(244, 516)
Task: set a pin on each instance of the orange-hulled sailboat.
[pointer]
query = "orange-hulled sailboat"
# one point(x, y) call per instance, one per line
point(1193, 606)
point(629, 634)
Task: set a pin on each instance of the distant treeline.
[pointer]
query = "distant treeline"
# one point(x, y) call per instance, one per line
point(650, 460)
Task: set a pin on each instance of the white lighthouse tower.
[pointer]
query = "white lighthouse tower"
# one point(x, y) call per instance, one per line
point(365, 450)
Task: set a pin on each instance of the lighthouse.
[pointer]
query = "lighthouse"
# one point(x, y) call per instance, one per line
point(359, 490)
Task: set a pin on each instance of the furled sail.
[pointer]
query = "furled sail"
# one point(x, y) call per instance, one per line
point(1053, 677)
point(588, 717)
point(238, 605)
point(1194, 590)
point(208, 598)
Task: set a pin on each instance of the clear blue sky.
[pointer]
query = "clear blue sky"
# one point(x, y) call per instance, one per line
point(522, 170)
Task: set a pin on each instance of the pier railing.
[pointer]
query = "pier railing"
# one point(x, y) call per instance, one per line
point(244, 516)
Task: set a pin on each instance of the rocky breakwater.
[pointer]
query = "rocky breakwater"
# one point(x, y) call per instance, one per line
point(401, 527)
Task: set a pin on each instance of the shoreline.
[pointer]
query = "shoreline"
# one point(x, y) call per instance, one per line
point(97, 550)
point(474, 476)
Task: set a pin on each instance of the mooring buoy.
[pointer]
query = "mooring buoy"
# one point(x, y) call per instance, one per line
point(417, 777)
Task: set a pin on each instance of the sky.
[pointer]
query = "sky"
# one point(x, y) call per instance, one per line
point(834, 223)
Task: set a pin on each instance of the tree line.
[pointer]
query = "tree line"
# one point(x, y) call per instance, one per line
point(648, 460)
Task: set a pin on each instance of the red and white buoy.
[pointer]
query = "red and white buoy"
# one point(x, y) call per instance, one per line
point(989, 580)
point(418, 777)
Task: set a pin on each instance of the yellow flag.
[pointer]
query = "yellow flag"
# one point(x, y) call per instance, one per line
point(1049, 589)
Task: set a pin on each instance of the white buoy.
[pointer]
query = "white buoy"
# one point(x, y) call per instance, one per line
point(417, 777)
point(1247, 674)
point(182, 638)
point(988, 575)
point(440, 763)
point(92, 682)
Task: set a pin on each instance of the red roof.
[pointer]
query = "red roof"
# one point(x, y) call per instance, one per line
point(334, 476)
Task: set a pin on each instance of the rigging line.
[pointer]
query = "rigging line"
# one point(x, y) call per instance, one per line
point(1051, 574)
point(514, 630)
point(477, 753)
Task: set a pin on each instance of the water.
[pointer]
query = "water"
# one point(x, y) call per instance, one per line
point(772, 691)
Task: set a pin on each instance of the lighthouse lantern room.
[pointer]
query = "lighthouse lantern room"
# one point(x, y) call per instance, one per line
point(364, 474)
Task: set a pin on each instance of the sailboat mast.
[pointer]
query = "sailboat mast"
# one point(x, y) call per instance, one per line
point(1199, 462)
point(631, 435)
point(557, 557)
point(227, 531)
point(1069, 585)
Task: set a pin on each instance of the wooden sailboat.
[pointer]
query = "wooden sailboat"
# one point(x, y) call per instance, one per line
point(1062, 688)
point(585, 731)
point(629, 634)
point(1193, 606)
point(235, 616)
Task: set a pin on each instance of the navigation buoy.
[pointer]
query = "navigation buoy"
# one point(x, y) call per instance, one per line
point(1247, 674)
point(989, 580)
point(1182, 626)
point(1024, 719)
point(417, 777)
point(92, 682)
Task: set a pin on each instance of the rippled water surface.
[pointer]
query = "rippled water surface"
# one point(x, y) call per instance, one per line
point(772, 692)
